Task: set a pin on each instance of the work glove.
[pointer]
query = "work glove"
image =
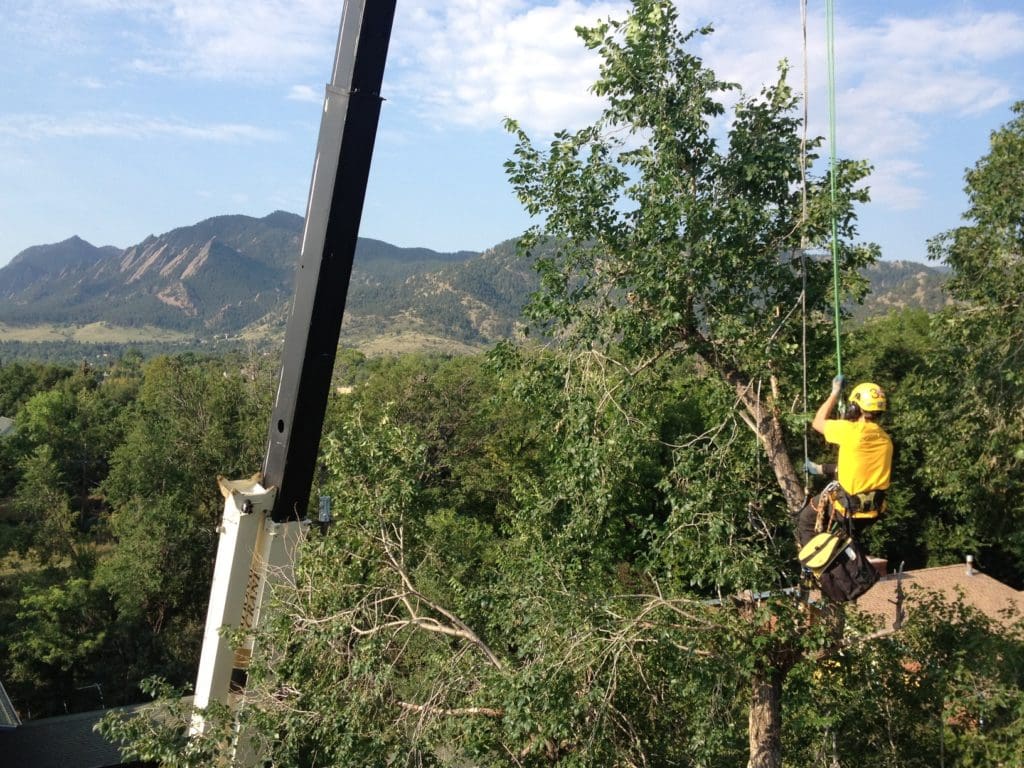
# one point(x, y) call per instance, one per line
point(811, 468)
point(837, 384)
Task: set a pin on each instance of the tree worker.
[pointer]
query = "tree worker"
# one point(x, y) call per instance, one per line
point(863, 466)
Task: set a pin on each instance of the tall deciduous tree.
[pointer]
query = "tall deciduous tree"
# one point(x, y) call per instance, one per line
point(973, 454)
point(677, 235)
point(44, 504)
point(669, 243)
point(193, 420)
point(77, 420)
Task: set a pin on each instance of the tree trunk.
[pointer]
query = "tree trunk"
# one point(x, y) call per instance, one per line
point(765, 724)
point(772, 437)
point(763, 418)
point(760, 412)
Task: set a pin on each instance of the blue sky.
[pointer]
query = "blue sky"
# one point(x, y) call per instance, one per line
point(124, 118)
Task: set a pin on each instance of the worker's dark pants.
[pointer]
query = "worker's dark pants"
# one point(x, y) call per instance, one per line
point(804, 521)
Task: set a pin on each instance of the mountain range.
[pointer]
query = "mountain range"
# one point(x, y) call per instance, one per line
point(233, 275)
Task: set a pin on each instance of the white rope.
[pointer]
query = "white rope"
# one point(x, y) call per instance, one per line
point(803, 240)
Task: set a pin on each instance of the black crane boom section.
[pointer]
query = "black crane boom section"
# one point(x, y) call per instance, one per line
point(348, 130)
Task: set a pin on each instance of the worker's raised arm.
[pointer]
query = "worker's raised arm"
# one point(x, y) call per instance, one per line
point(826, 408)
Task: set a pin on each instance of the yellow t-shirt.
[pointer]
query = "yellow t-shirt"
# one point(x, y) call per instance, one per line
point(865, 454)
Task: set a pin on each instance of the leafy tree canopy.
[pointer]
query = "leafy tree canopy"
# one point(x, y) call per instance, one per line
point(579, 624)
point(971, 399)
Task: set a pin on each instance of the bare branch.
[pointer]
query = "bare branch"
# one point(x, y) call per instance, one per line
point(394, 554)
point(431, 709)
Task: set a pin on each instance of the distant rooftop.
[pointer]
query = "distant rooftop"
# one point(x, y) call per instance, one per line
point(6, 425)
point(980, 591)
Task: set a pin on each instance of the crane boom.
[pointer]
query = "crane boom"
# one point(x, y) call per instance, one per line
point(348, 129)
point(263, 515)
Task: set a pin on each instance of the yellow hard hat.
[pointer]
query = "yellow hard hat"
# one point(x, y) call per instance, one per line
point(869, 397)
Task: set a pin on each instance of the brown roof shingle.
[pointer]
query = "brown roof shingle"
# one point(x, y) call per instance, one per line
point(980, 591)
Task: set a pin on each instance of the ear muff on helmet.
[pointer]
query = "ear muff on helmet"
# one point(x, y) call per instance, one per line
point(869, 398)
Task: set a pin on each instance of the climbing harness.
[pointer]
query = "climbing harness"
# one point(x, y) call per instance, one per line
point(832, 559)
point(840, 506)
point(860, 506)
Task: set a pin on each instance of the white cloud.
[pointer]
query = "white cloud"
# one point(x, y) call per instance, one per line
point(474, 62)
point(151, 67)
point(245, 38)
point(129, 6)
point(899, 76)
point(931, 66)
point(305, 93)
point(129, 126)
point(966, 37)
point(897, 185)
point(221, 39)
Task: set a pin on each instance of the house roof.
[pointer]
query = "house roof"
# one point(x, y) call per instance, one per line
point(59, 742)
point(8, 715)
point(980, 591)
point(6, 425)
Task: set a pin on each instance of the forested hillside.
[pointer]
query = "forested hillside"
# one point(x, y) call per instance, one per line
point(215, 277)
point(230, 277)
point(897, 285)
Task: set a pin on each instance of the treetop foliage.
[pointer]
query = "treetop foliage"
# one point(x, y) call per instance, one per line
point(667, 241)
